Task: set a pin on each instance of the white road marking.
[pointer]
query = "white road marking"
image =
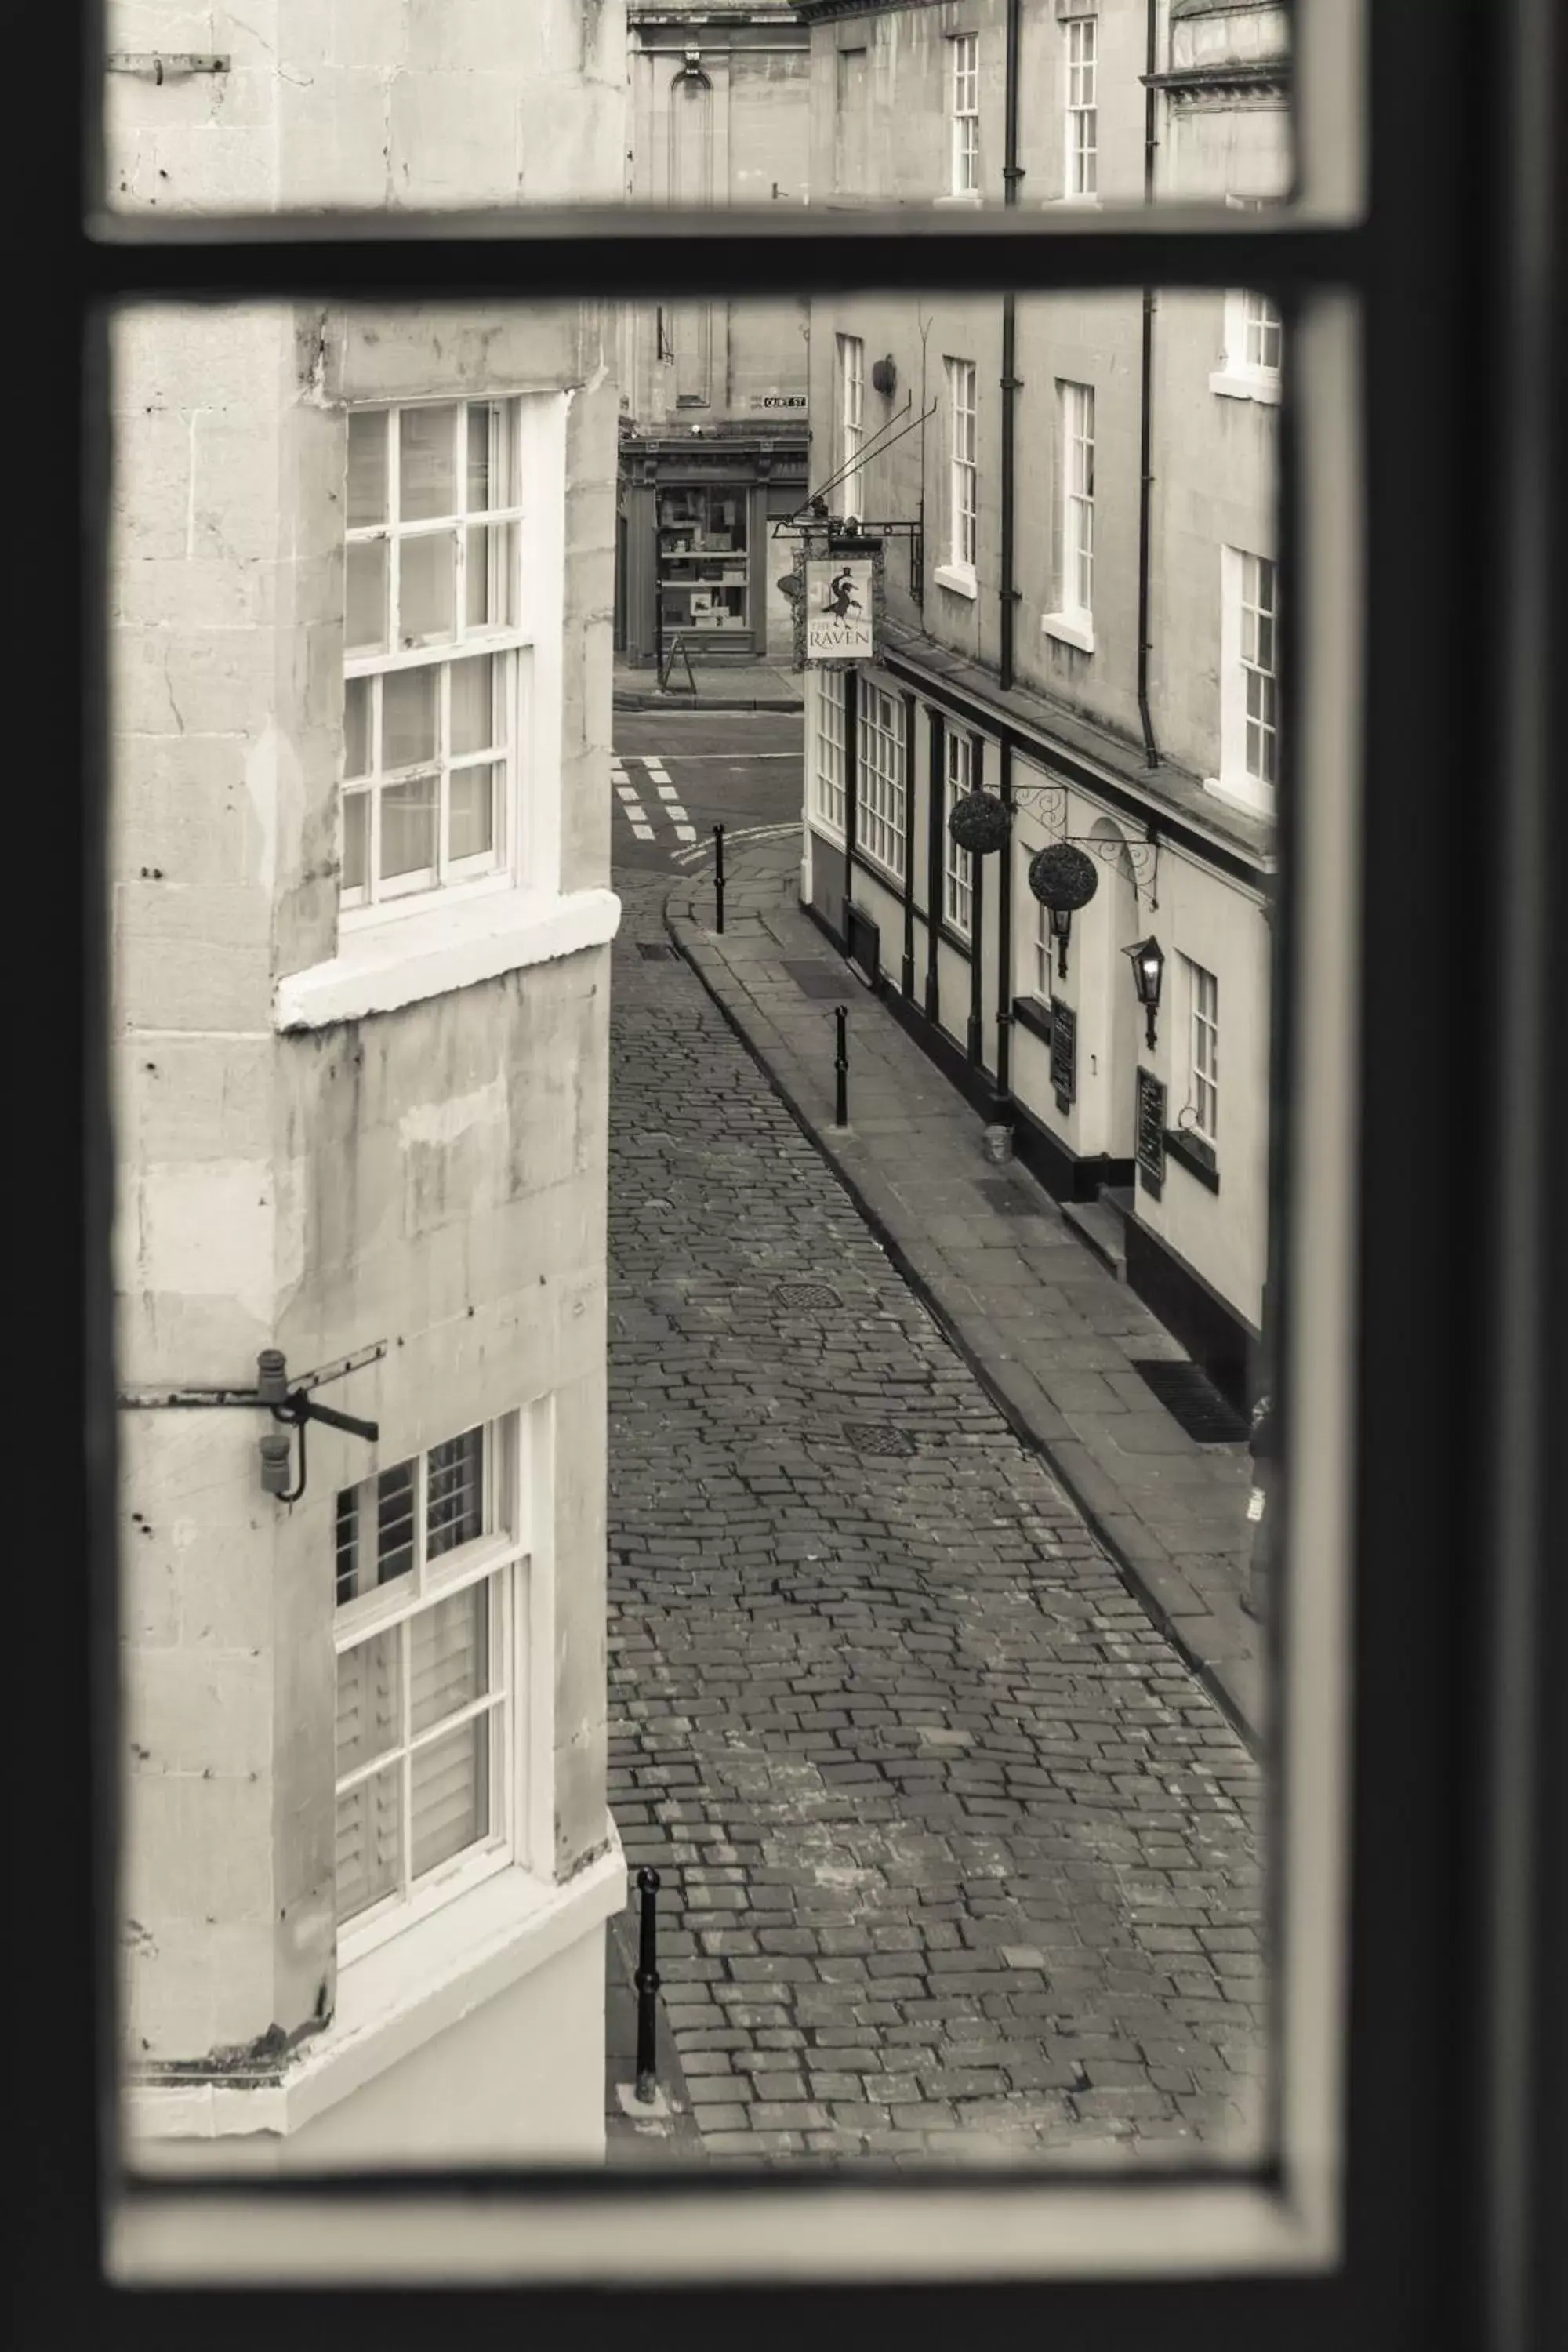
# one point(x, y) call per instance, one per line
point(643, 832)
point(627, 791)
point(686, 833)
point(665, 791)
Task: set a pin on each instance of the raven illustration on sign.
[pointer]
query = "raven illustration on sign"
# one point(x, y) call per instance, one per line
point(842, 599)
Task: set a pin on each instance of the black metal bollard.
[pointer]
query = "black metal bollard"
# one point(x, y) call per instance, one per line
point(646, 1983)
point(718, 879)
point(841, 1067)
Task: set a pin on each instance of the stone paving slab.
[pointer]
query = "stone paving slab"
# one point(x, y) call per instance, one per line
point(1045, 1323)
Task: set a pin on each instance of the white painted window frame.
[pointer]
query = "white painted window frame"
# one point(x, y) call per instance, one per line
point(1251, 321)
point(526, 854)
point(1203, 1052)
point(1237, 781)
point(500, 1558)
point(850, 355)
point(958, 865)
point(1080, 75)
point(829, 749)
point(959, 572)
point(882, 780)
point(1072, 622)
point(963, 115)
point(1044, 948)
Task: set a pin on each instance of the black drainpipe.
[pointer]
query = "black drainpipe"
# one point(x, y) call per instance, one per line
point(1012, 173)
point(1146, 403)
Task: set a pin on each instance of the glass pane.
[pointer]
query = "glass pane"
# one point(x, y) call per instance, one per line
point(473, 705)
point(410, 816)
point(425, 464)
point(450, 1655)
point(451, 1796)
point(370, 1700)
point(455, 1493)
point(396, 1489)
point(356, 726)
point(492, 558)
point(356, 840)
point(483, 420)
point(364, 617)
point(427, 592)
point(367, 467)
point(369, 1842)
point(409, 702)
point(471, 825)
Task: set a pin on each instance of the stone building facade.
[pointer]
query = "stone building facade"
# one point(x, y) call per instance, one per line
point(361, 578)
point(713, 429)
point(1098, 643)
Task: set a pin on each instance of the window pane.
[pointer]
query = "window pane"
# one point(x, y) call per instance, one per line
point(370, 1700)
point(473, 705)
point(471, 823)
point(409, 702)
point(492, 556)
point(482, 422)
point(365, 618)
point(451, 1798)
point(367, 467)
point(449, 1656)
point(369, 1842)
point(356, 840)
point(426, 455)
point(427, 592)
point(356, 726)
point(410, 818)
point(456, 1493)
point(395, 1494)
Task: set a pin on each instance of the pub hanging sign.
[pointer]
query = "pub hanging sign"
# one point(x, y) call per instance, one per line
point(838, 598)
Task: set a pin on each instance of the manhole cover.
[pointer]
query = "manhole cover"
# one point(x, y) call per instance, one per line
point(1194, 1402)
point(1006, 1198)
point(653, 951)
point(812, 981)
point(804, 1295)
point(878, 1437)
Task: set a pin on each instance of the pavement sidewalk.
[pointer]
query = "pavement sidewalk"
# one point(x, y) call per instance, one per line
point(1049, 1330)
point(721, 686)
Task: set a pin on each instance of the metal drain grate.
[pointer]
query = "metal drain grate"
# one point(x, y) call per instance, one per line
point(1006, 1198)
point(1194, 1402)
point(805, 1296)
point(812, 981)
point(878, 1437)
point(653, 951)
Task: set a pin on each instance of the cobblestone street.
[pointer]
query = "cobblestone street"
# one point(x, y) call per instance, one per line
point(958, 1857)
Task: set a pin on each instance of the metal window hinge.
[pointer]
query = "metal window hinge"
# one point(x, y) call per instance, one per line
point(159, 63)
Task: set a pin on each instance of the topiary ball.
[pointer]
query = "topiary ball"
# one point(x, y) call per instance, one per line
point(979, 822)
point(1061, 875)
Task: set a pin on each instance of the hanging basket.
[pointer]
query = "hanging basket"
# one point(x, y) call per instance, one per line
point(1062, 876)
point(980, 822)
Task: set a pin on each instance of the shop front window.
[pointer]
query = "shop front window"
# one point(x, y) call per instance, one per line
point(703, 585)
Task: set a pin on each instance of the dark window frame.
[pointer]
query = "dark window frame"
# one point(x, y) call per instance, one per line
point(1456, 2075)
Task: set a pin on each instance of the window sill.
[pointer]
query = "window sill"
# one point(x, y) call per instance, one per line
point(1243, 792)
point(405, 960)
point(968, 199)
point(1076, 204)
point(1189, 1151)
point(396, 2000)
point(958, 578)
point(1237, 384)
point(1030, 1014)
point(1068, 630)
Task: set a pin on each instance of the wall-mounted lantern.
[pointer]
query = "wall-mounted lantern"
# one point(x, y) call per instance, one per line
point(294, 1408)
point(1061, 931)
point(1148, 977)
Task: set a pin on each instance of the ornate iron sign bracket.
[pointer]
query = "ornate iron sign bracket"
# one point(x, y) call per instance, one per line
point(1049, 802)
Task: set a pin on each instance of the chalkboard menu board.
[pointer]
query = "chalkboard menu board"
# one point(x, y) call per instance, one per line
point(1150, 1146)
point(1064, 1053)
